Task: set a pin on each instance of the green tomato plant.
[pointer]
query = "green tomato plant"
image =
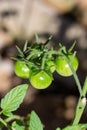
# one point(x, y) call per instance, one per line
point(37, 63)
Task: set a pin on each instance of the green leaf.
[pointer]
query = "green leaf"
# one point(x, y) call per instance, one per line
point(20, 52)
point(71, 48)
point(76, 127)
point(37, 38)
point(13, 99)
point(15, 58)
point(58, 129)
point(35, 122)
point(25, 46)
point(16, 126)
point(48, 40)
point(9, 114)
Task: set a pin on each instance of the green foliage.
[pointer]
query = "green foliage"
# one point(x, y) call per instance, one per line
point(13, 99)
point(58, 129)
point(16, 126)
point(35, 123)
point(76, 127)
point(36, 57)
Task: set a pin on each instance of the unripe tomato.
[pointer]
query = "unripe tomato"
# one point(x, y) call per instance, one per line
point(62, 67)
point(21, 69)
point(50, 65)
point(40, 80)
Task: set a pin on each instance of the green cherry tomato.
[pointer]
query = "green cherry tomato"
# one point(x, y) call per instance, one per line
point(50, 65)
point(40, 80)
point(62, 67)
point(21, 70)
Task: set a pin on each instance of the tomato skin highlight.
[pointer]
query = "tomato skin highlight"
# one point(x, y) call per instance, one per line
point(21, 70)
point(62, 67)
point(40, 80)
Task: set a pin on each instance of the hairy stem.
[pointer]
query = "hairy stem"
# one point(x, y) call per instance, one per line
point(5, 124)
point(81, 104)
point(14, 117)
point(82, 99)
point(79, 110)
point(75, 76)
point(43, 61)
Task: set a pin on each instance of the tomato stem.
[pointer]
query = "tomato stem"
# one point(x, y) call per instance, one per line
point(75, 75)
point(82, 99)
point(43, 61)
point(79, 110)
point(5, 124)
point(81, 104)
point(14, 117)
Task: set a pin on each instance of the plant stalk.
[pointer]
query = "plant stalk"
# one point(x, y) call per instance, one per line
point(14, 117)
point(79, 110)
point(43, 61)
point(82, 99)
point(81, 104)
point(75, 76)
point(5, 124)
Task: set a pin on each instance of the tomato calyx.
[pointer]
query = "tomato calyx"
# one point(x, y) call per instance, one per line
point(35, 71)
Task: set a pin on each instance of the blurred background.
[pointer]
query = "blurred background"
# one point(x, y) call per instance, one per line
point(66, 21)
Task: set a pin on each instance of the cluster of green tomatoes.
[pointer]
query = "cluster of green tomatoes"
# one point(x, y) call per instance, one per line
point(38, 62)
